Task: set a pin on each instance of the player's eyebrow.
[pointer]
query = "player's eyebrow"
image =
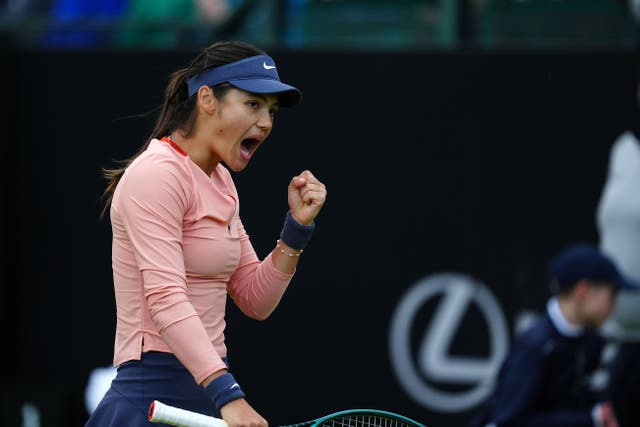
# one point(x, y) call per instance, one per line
point(264, 98)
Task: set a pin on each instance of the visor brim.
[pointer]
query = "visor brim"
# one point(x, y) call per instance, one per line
point(288, 96)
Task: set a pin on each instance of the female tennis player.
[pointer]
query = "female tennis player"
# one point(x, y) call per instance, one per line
point(179, 246)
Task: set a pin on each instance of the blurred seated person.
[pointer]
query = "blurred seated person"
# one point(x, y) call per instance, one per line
point(544, 380)
point(172, 23)
point(82, 23)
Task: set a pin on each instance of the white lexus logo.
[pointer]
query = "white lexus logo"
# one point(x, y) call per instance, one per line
point(432, 360)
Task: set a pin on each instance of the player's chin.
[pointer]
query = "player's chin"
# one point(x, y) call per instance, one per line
point(596, 323)
point(237, 166)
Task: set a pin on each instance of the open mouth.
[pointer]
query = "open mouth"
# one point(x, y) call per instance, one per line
point(249, 145)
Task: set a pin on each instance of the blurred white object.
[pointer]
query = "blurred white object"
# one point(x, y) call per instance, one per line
point(98, 384)
point(524, 320)
point(634, 6)
point(30, 415)
point(618, 220)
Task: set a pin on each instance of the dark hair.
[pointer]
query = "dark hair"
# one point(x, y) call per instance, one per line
point(178, 110)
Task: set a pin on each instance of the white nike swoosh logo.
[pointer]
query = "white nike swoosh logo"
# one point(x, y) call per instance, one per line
point(268, 67)
point(235, 385)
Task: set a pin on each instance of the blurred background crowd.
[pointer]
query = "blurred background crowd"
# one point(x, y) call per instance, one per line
point(321, 24)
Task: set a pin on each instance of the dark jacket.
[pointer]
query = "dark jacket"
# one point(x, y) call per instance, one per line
point(544, 380)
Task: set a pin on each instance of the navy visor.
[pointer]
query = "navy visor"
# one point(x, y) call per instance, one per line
point(256, 74)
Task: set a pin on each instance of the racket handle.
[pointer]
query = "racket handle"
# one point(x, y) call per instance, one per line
point(162, 413)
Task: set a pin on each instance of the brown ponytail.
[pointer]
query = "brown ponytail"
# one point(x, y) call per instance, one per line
point(178, 110)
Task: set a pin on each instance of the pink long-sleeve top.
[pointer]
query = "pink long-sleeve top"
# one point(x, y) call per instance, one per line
point(178, 248)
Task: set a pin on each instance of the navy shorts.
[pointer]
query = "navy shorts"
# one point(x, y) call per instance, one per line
point(157, 376)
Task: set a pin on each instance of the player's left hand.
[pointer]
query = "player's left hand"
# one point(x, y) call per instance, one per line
point(306, 196)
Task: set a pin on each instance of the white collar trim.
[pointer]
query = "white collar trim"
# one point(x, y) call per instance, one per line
point(560, 322)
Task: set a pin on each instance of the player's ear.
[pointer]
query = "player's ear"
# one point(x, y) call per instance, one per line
point(206, 100)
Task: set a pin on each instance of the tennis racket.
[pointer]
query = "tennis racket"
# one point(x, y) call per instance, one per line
point(163, 413)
